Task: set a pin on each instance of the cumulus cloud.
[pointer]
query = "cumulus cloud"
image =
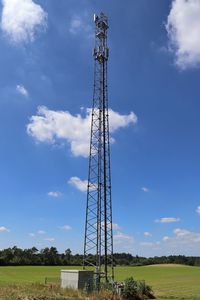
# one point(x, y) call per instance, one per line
point(147, 234)
point(79, 24)
point(183, 236)
point(65, 227)
point(4, 229)
point(145, 189)
point(22, 90)
point(181, 242)
point(115, 226)
point(154, 245)
point(31, 234)
point(79, 184)
point(49, 126)
point(41, 232)
point(167, 220)
point(183, 27)
point(187, 235)
point(54, 194)
point(147, 244)
point(198, 209)
point(21, 19)
point(121, 237)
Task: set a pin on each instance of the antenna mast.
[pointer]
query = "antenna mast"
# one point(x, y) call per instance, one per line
point(98, 227)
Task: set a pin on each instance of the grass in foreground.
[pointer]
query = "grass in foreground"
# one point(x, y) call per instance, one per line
point(54, 292)
point(167, 281)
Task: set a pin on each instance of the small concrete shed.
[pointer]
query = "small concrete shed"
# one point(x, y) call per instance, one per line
point(77, 279)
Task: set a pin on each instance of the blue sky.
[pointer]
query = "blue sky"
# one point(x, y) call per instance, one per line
point(46, 80)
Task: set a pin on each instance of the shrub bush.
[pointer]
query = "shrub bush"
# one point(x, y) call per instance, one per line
point(136, 290)
point(145, 290)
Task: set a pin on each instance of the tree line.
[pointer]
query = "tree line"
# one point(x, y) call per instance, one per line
point(50, 256)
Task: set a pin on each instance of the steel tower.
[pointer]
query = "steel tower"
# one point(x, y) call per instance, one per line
point(98, 227)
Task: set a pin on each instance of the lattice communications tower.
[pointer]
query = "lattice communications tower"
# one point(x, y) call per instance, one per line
point(98, 228)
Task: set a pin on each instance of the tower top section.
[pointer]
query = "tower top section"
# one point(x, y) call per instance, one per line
point(101, 21)
point(101, 51)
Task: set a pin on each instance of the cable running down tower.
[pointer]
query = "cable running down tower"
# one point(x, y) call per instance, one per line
point(98, 227)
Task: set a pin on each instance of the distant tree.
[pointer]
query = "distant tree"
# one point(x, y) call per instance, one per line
point(50, 256)
point(67, 257)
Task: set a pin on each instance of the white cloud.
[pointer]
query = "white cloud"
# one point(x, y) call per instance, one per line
point(49, 126)
point(167, 220)
point(147, 234)
point(153, 245)
point(79, 25)
point(81, 185)
point(187, 235)
point(21, 19)
point(41, 232)
point(50, 239)
point(4, 229)
point(183, 27)
point(120, 237)
point(75, 25)
point(147, 244)
point(198, 209)
point(145, 189)
point(115, 226)
point(32, 234)
point(54, 194)
point(120, 121)
point(181, 232)
point(183, 239)
point(65, 227)
point(181, 242)
point(22, 90)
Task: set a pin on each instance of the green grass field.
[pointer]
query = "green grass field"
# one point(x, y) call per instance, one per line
point(167, 281)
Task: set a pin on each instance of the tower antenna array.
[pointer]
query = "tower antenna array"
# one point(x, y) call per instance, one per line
point(98, 227)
